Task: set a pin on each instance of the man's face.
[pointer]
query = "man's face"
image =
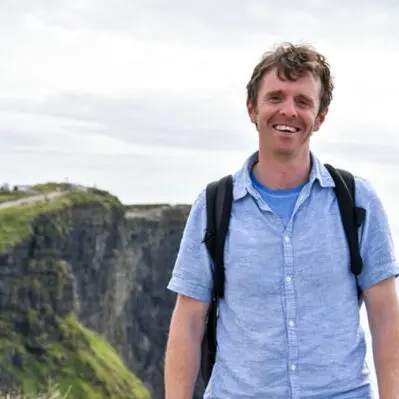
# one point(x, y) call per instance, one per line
point(286, 114)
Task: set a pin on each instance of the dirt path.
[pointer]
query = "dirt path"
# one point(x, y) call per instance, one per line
point(32, 199)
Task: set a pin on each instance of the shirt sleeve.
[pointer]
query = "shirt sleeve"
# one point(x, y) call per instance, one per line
point(376, 241)
point(192, 273)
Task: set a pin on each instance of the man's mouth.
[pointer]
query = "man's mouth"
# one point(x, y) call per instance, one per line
point(286, 128)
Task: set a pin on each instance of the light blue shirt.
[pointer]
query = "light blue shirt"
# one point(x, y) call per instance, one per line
point(289, 324)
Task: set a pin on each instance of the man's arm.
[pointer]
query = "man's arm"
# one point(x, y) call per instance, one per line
point(183, 351)
point(382, 306)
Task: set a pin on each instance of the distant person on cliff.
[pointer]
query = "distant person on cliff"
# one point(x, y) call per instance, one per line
point(288, 325)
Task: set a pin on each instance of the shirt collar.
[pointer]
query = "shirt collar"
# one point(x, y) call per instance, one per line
point(243, 183)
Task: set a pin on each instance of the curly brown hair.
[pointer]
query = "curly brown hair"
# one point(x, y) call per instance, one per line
point(293, 61)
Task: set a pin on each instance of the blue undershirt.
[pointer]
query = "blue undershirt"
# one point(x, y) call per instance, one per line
point(282, 202)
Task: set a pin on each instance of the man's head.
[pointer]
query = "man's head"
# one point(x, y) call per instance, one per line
point(290, 86)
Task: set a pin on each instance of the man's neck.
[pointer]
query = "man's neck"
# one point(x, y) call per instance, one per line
point(279, 173)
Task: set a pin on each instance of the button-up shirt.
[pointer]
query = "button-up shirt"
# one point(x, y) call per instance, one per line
point(289, 324)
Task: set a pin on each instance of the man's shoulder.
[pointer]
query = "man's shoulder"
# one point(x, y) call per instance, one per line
point(198, 208)
point(366, 192)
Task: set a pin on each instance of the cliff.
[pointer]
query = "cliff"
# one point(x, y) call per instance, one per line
point(83, 296)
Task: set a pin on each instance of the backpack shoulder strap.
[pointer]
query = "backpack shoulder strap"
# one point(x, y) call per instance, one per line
point(219, 198)
point(352, 216)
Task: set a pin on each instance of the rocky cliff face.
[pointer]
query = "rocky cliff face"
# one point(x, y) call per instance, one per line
point(115, 266)
point(154, 237)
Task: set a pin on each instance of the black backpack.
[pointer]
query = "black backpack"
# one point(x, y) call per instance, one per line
point(219, 196)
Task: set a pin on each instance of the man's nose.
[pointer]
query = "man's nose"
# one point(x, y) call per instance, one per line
point(288, 108)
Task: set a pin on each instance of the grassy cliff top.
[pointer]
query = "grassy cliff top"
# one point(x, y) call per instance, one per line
point(82, 365)
point(51, 186)
point(16, 220)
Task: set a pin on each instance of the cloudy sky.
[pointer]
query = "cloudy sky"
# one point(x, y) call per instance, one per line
point(147, 98)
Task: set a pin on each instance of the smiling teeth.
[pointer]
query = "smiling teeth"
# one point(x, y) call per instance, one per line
point(285, 128)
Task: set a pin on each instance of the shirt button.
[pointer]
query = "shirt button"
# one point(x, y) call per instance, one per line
point(291, 323)
point(286, 239)
point(293, 367)
point(288, 279)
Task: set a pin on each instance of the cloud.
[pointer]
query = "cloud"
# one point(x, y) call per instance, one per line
point(163, 120)
point(158, 119)
point(214, 21)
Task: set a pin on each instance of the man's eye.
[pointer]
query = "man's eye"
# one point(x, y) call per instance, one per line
point(303, 103)
point(274, 98)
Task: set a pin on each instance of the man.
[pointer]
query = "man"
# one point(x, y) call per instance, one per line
point(288, 324)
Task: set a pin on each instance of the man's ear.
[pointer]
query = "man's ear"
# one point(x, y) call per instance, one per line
point(320, 119)
point(251, 108)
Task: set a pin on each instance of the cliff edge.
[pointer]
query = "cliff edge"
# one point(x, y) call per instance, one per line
point(56, 274)
point(83, 296)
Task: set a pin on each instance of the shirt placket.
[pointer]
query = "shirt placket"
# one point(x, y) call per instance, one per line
point(289, 285)
point(289, 281)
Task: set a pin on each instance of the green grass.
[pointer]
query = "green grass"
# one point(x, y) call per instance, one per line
point(82, 365)
point(16, 221)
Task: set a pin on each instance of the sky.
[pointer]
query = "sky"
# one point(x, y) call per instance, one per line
point(146, 99)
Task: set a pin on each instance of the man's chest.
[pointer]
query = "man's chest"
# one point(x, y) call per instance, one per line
point(265, 260)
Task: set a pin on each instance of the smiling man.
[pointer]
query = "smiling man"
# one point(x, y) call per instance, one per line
point(288, 325)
